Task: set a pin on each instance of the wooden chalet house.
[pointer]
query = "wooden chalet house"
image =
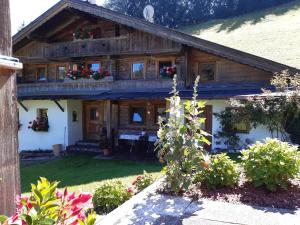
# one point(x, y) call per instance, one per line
point(87, 68)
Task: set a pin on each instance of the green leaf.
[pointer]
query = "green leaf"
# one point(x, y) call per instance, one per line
point(3, 218)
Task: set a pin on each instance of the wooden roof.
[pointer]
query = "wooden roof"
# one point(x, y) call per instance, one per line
point(180, 37)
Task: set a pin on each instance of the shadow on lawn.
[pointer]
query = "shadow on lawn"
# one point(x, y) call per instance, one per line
point(234, 23)
point(80, 170)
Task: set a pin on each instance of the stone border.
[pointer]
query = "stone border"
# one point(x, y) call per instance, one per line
point(151, 208)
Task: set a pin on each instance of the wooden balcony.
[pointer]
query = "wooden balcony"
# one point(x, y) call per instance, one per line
point(94, 47)
point(87, 87)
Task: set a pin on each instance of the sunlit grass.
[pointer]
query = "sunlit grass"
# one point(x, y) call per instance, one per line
point(84, 173)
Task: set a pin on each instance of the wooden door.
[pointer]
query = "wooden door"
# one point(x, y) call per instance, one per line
point(93, 120)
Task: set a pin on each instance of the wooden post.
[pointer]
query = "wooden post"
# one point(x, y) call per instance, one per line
point(108, 114)
point(9, 157)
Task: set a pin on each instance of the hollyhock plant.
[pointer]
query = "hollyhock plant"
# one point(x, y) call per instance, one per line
point(49, 205)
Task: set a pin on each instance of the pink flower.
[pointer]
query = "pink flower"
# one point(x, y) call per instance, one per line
point(130, 190)
point(58, 194)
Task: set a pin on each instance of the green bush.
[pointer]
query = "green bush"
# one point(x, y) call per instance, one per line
point(271, 163)
point(142, 182)
point(221, 171)
point(110, 195)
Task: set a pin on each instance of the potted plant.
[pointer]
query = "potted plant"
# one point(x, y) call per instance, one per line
point(105, 146)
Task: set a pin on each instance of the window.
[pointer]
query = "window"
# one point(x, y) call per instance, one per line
point(137, 115)
point(41, 74)
point(207, 71)
point(42, 113)
point(95, 67)
point(77, 66)
point(243, 126)
point(138, 70)
point(160, 111)
point(164, 64)
point(61, 72)
point(94, 114)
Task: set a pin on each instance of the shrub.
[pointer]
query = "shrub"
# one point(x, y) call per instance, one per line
point(110, 195)
point(142, 182)
point(220, 171)
point(48, 205)
point(271, 163)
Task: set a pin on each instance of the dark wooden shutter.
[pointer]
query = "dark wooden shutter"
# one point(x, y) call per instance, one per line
point(208, 123)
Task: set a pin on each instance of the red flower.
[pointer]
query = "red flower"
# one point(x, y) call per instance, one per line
point(130, 190)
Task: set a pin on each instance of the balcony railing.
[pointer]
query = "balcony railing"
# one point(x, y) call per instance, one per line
point(82, 87)
point(121, 45)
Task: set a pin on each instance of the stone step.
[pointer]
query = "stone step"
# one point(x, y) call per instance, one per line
point(81, 148)
point(88, 143)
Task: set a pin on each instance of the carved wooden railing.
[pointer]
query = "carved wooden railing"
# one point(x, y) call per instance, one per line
point(121, 45)
point(83, 87)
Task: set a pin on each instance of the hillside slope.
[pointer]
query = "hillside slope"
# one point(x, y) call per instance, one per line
point(273, 33)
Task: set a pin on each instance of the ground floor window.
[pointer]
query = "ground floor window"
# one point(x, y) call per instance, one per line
point(137, 115)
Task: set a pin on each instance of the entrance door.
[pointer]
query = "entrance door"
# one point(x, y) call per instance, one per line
point(93, 119)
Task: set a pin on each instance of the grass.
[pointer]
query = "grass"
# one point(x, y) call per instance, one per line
point(272, 33)
point(83, 173)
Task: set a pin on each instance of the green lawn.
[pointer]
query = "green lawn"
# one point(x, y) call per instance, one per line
point(83, 173)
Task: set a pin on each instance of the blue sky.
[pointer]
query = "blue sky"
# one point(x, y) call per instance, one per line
point(28, 10)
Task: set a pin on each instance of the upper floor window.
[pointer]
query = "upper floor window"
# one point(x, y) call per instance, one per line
point(95, 67)
point(138, 70)
point(207, 71)
point(78, 66)
point(41, 74)
point(61, 72)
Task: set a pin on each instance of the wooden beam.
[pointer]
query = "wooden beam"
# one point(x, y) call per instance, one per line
point(108, 114)
point(22, 105)
point(59, 105)
point(61, 27)
point(9, 156)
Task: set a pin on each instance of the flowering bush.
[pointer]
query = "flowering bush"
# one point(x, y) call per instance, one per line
point(87, 73)
point(168, 71)
point(219, 171)
point(40, 124)
point(180, 143)
point(142, 182)
point(48, 205)
point(271, 163)
point(111, 195)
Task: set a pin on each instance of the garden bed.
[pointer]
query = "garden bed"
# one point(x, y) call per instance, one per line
point(246, 193)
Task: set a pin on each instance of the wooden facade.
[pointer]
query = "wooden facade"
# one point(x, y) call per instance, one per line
point(118, 44)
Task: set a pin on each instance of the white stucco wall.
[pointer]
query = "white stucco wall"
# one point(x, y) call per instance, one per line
point(255, 134)
point(57, 134)
point(75, 130)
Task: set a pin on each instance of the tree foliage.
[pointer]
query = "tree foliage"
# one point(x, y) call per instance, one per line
point(174, 13)
point(279, 111)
